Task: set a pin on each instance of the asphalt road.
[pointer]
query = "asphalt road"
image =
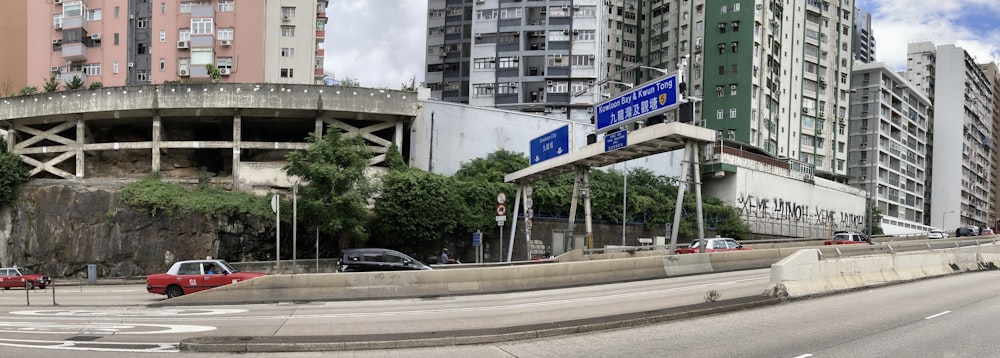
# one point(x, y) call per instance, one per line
point(953, 316)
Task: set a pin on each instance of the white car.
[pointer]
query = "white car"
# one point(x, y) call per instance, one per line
point(937, 234)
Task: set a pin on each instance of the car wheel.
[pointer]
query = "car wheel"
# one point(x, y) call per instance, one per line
point(174, 291)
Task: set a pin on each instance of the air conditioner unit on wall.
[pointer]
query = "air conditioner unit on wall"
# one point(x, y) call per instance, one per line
point(96, 36)
point(285, 17)
point(57, 1)
point(182, 44)
point(224, 71)
point(183, 72)
point(54, 69)
point(226, 42)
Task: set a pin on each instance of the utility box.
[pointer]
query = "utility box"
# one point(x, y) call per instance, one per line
point(92, 273)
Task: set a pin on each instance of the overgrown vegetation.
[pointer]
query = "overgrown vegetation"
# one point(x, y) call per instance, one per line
point(13, 173)
point(173, 200)
point(75, 83)
point(51, 85)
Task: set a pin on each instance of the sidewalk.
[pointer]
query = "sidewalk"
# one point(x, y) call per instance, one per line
point(473, 336)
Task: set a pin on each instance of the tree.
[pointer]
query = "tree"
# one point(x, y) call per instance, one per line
point(336, 191)
point(416, 207)
point(213, 73)
point(493, 167)
point(74, 83)
point(12, 174)
point(410, 86)
point(350, 82)
point(51, 85)
point(96, 85)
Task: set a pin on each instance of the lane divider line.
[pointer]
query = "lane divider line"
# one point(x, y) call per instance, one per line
point(937, 315)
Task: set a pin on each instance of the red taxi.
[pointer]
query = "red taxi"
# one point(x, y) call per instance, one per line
point(716, 244)
point(19, 277)
point(190, 276)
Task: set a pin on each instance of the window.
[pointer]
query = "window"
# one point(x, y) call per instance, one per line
point(94, 15)
point(722, 48)
point(719, 114)
point(163, 35)
point(736, 25)
point(735, 46)
point(732, 113)
point(163, 64)
point(142, 76)
point(287, 12)
point(287, 72)
point(114, 67)
point(482, 89)
point(483, 63)
point(117, 10)
point(225, 33)
point(57, 21)
point(116, 43)
point(163, 8)
point(722, 70)
point(72, 9)
point(722, 27)
point(186, 5)
point(224, 62)
point(142, 22)
point(93, 69)
point(732, 89)
point(718, 91)
point(723, 9)
point(287, 51)
point(288, 31)
point(736, 7)
point(202, 26)
point(226, 6)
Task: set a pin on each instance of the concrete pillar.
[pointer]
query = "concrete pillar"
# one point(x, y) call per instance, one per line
point(156, 143)
point(237, 140)
point(81, 140)
point(397, 138)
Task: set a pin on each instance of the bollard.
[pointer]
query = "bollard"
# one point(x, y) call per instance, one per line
point(27, 297)
point(92, 273)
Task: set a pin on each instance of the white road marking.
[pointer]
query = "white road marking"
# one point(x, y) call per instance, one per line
point(99, 328)
point(91, 346)
point(807, 355)
point(131, 312)
point(937, 315)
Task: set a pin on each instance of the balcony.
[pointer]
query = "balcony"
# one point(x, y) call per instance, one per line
point(202, 41)
point(74, 51)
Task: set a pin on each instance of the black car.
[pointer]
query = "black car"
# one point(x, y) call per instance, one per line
point(371, 259)
point(965, 231)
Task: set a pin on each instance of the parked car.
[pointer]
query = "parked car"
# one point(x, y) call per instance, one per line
point(373, 259)
point(937, 234)
point(848, 238)
point(190, 276)
point(986, 231)
point(20, 277)
point(966, 231)
point(715, 244)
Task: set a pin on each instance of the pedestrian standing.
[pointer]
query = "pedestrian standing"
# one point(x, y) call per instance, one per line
point(444, 257)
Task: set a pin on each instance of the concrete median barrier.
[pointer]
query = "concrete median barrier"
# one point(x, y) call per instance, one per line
point(807, 272)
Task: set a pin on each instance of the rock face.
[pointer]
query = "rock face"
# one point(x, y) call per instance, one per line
point(59, 229)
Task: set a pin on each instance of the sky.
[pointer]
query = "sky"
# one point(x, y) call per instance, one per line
point(382, 43)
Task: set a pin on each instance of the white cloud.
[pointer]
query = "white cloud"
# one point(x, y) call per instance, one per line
point(379, 43)
point(897, 23)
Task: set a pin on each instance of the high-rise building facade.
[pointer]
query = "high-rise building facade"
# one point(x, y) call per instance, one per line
point(774, 75)
point(14, 20)
point(864, 36)
point(150, 42)
point(889, 145)
point(962, 153)
point(992, 73)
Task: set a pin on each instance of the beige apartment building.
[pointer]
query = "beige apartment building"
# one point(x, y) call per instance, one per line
point(124, 42)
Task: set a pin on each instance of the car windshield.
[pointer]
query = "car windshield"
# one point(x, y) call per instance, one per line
point(228, 267)
point(845, 237)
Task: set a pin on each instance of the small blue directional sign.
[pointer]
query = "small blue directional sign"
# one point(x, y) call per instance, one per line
point(550, 145)
point(650, 99)
point(477, 238)
point(616, 140)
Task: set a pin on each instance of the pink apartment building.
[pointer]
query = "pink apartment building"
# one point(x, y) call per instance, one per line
point(134, 42)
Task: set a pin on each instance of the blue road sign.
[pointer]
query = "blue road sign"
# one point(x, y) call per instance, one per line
point(550, 145)
point(477, 239)
point(615, 141)
point(650, 99)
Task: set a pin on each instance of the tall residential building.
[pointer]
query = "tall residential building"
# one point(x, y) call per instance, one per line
point(775, 76)
point(889, 145)
point(770, 75)
point(864, 38)
point(963, 153)
point(993, 75)
point(121, 42)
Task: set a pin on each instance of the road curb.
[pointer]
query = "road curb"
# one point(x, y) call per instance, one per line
point(319, 343)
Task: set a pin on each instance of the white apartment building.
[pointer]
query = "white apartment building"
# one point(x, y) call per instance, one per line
point(889, 146)
point(962, 133)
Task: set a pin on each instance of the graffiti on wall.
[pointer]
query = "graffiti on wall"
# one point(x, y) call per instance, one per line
point(779, 209)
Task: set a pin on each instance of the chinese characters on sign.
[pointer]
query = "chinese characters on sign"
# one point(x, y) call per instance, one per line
point(639, 103)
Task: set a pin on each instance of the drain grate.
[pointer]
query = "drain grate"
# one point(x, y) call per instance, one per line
point(84, 338)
